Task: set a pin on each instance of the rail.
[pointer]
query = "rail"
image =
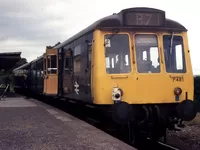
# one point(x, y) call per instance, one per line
point(155, 145)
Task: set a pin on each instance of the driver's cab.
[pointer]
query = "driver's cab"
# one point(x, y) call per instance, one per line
point(144, 60)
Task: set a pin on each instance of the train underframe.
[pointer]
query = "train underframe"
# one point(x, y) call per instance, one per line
point(143, 120)
point(152, 120)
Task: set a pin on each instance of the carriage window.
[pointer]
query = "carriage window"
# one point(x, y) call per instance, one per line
point(179, 57)
point(48, 64)
point(68, 63)
point(147, 53)
point(154, 56)
point(144, 55)
point(77, 59)
point(117, 53)
point(174, 56)
point(45, 66)
point(52, 64)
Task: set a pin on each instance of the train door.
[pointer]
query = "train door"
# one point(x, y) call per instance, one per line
point(88, 70)
point(68, 72)
point(51, 72)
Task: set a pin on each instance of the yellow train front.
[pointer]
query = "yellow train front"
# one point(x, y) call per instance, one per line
point(136, 63)
point(141, 64)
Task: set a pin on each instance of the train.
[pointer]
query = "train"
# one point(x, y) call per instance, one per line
point(135, 63)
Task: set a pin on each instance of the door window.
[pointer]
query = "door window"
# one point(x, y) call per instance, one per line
point(52, 64)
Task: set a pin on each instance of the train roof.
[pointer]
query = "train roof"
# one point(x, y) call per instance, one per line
point(27, 65)
point(24, 66)
point(38, 58)
point(197, 76)
point(117, 20)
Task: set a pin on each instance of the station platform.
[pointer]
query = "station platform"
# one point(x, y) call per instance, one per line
point(30, 124)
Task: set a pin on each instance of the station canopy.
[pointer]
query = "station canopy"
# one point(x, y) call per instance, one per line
point(9, 59)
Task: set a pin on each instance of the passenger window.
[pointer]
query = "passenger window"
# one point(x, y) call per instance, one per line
point(77, 59)
point(154, 56)
point(41, 67)
point(45, 66)
point(48, 64)
point(107, 62)
point(68, 64)
point(113, 63)
point(52, 64)
point(144, 55)
point(179, 57)
point(126, 60)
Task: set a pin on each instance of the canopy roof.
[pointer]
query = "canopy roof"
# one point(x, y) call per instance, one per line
point(9, 59)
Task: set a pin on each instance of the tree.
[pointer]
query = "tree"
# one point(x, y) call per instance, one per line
point(21, 62)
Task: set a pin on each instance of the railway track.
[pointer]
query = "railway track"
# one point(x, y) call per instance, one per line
point(155, 145)
point(104, 125)
point(166, 147)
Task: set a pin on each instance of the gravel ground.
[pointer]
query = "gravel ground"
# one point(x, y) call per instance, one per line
point(187, 139)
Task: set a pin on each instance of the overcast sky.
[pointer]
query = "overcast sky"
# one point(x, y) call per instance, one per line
point(30, 25)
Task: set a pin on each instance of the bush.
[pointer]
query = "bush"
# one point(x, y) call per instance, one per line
point(197, 91)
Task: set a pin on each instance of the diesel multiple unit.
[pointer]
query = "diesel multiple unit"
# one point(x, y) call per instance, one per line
point(135, 63)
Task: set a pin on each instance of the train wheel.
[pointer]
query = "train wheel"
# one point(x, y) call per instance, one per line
point(122, 113)
point(135, 135)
